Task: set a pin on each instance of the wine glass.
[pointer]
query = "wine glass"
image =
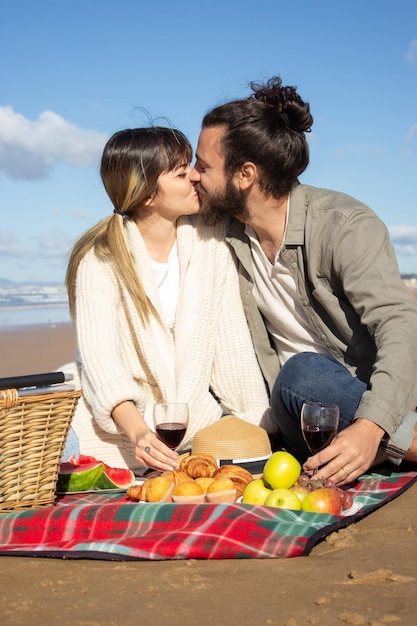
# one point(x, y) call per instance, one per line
point(171, 421)
point(319, 423)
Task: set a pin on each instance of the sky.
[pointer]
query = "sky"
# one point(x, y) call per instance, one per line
point(73, 73)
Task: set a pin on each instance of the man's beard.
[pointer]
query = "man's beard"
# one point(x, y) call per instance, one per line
point(228, 203)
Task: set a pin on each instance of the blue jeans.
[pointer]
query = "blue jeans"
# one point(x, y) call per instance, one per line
point(72, 446)
point(319, 378)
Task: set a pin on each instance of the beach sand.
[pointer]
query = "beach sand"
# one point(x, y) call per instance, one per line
point(364, 574)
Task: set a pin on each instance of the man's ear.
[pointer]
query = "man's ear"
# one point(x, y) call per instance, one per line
point(247, 175)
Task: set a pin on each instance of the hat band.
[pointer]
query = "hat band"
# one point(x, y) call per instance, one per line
point(254, 465)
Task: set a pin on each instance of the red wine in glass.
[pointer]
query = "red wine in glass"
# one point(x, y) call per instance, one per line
point(318, 438)
point(171, 433)
point(319, 423)
point(171, 421)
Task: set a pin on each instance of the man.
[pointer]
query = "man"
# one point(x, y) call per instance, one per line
point(330, 318)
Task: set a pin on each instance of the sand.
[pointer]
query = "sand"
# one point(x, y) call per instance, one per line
point(364, 574)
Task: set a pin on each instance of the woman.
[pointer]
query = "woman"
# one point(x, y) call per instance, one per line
point(156, 305)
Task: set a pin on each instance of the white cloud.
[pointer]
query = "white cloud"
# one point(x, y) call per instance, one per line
point(30, 149)
point(412, 131)
point(411, 54)
point(364, 151)
point(404, 239)
point(49, 246)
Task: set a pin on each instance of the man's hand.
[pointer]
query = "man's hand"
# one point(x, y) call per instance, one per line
point(350, 454)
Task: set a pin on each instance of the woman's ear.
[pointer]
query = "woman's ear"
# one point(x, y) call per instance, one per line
point(247, 175)
point(150, 201)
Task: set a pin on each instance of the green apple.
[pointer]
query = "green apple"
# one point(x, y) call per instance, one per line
point(256, 492)
point(281, 470)
point(283, 499)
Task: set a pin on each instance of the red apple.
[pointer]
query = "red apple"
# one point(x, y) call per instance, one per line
point(281, 470)
point(283, 499)
point(256, 492)
point(300, 490)
point(323, 500)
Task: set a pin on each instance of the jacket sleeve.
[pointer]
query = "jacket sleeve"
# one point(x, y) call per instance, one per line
point(365, 261)
point(106, 379)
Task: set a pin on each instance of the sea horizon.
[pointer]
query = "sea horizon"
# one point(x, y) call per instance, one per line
point(36, 305)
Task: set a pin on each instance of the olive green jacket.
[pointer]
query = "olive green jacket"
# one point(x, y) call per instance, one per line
point(340, 256)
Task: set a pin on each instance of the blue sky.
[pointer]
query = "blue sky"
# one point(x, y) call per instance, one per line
point(73, 73)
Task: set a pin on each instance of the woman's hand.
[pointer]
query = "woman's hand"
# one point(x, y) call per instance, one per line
point(152, 452)
point(350, 454)
point(149, 450)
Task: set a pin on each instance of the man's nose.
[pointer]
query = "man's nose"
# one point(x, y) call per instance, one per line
point(194, 175)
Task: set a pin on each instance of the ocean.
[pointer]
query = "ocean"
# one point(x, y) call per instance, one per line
point(26, 304)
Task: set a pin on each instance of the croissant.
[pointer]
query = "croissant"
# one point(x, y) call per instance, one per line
point(239, 475)
point(177, 476)
point(199, 465)
point(135, 492)
point(160, 489)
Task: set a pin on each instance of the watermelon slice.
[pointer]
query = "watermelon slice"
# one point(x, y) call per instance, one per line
point(111, 478)
point(83, 459)
point(74, 477)
point(115, 478)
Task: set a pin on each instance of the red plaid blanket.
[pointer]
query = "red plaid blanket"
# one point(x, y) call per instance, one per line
point(109, 526)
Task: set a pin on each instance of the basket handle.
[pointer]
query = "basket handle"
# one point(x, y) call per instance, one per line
point(10, 398)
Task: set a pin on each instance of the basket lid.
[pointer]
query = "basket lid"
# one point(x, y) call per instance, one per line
point(231, 440)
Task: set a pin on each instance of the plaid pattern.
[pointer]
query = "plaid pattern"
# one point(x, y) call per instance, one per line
point(109, 526)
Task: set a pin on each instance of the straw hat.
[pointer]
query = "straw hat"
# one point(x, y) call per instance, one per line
point(232, 440)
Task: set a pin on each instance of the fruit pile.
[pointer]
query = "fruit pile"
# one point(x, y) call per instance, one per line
point(284, 486)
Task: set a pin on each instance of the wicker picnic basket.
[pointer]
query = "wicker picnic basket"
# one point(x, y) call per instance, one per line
point(33, 431)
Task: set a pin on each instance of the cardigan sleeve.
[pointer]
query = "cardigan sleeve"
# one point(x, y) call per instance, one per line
point(236, 378)
point(106, 378)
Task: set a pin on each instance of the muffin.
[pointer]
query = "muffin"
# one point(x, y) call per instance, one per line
point(204, 482)
point(221, 490)
point(188, 493)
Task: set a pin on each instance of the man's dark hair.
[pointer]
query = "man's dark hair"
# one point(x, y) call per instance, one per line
point(267, 128)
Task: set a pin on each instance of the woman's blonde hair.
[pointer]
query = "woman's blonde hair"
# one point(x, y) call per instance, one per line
point(131, 163)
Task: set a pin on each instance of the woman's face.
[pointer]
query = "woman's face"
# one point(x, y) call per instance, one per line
point(175, 194)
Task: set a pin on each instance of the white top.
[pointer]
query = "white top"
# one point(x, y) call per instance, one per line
point(276, 295)
point(167, 279)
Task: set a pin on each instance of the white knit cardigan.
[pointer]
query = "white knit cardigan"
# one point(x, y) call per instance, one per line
point(209, 347)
